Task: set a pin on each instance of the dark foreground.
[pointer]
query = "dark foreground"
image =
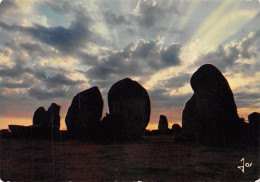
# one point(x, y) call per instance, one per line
point(155, 158)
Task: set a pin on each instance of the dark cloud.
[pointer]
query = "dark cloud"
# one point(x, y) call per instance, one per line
point(245, 99)
point(226, 58)
point(113, 20)
point(6, 5)
point(88, 59)
point(147, 13)
point(53, 83)
point(176, 82)
point(245, 95)
point(15, 71)
point(32, 48)
point(161, 99)
point(65, 39)
point(14, 85)
point(170, 55)
point(143, 48)
point(24, 83)
point(246, 45)
point(221, 58)
point(143, 59)
point(54, 77)
point(42, 94)
point(14, 27)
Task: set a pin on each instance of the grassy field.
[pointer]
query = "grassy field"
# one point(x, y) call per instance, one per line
point(154, 158)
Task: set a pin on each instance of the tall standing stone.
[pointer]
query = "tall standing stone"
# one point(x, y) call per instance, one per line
point(163, 124)
point(53, 115)
point(84, 113)
point(39, 116)
point(129, 106)
point(211, 113)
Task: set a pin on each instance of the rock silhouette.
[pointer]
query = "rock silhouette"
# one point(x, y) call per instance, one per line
point(254, 126)
point(129, 106)
point(254, 120)
point(176, 129)
point(163, 125)
point(109, 129)
point(210, 116)
point(46, 124)
point(53, 115)
point(40, 116)
point(50, 118)
point(5, 133)
point(84, 113)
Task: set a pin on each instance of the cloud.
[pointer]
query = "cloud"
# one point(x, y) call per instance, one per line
point(43, 94)
point(88, 59)
point(15, 71)
point(246, 45)
point(33, 49)
point(7, 5)
point(113, 20)
point(7, 27)
point(226, 57)
point(221, 58)
point(57, 79)
point(54, 77)
point(245, 99)
point(56, 49)
point(170, 55)
point(145, 58)
point(65, 39)
point(160, 98)
point(23, 82)
point(147, 13)
point(177, 81)
point(62, 38)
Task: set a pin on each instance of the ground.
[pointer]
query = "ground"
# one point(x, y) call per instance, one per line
point(154, 158)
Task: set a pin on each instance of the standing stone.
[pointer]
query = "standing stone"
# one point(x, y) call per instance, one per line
point(40, 116)
point(129, 106)
point(254, 120)
point(211, 113)
point(46, 124)
point(176, 129)
point(254, 127)
point(53, 115)
point(84, 113)
point(163, 124)
point(50, 118)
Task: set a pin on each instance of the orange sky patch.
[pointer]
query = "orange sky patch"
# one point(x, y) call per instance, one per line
point(173, 115)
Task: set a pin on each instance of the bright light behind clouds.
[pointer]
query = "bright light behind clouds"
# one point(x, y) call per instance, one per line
point(51, 50)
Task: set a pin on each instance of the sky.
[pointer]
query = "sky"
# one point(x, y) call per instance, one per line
point(52, 49)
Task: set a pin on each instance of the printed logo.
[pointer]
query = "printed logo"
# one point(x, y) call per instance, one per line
point(242, 168)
